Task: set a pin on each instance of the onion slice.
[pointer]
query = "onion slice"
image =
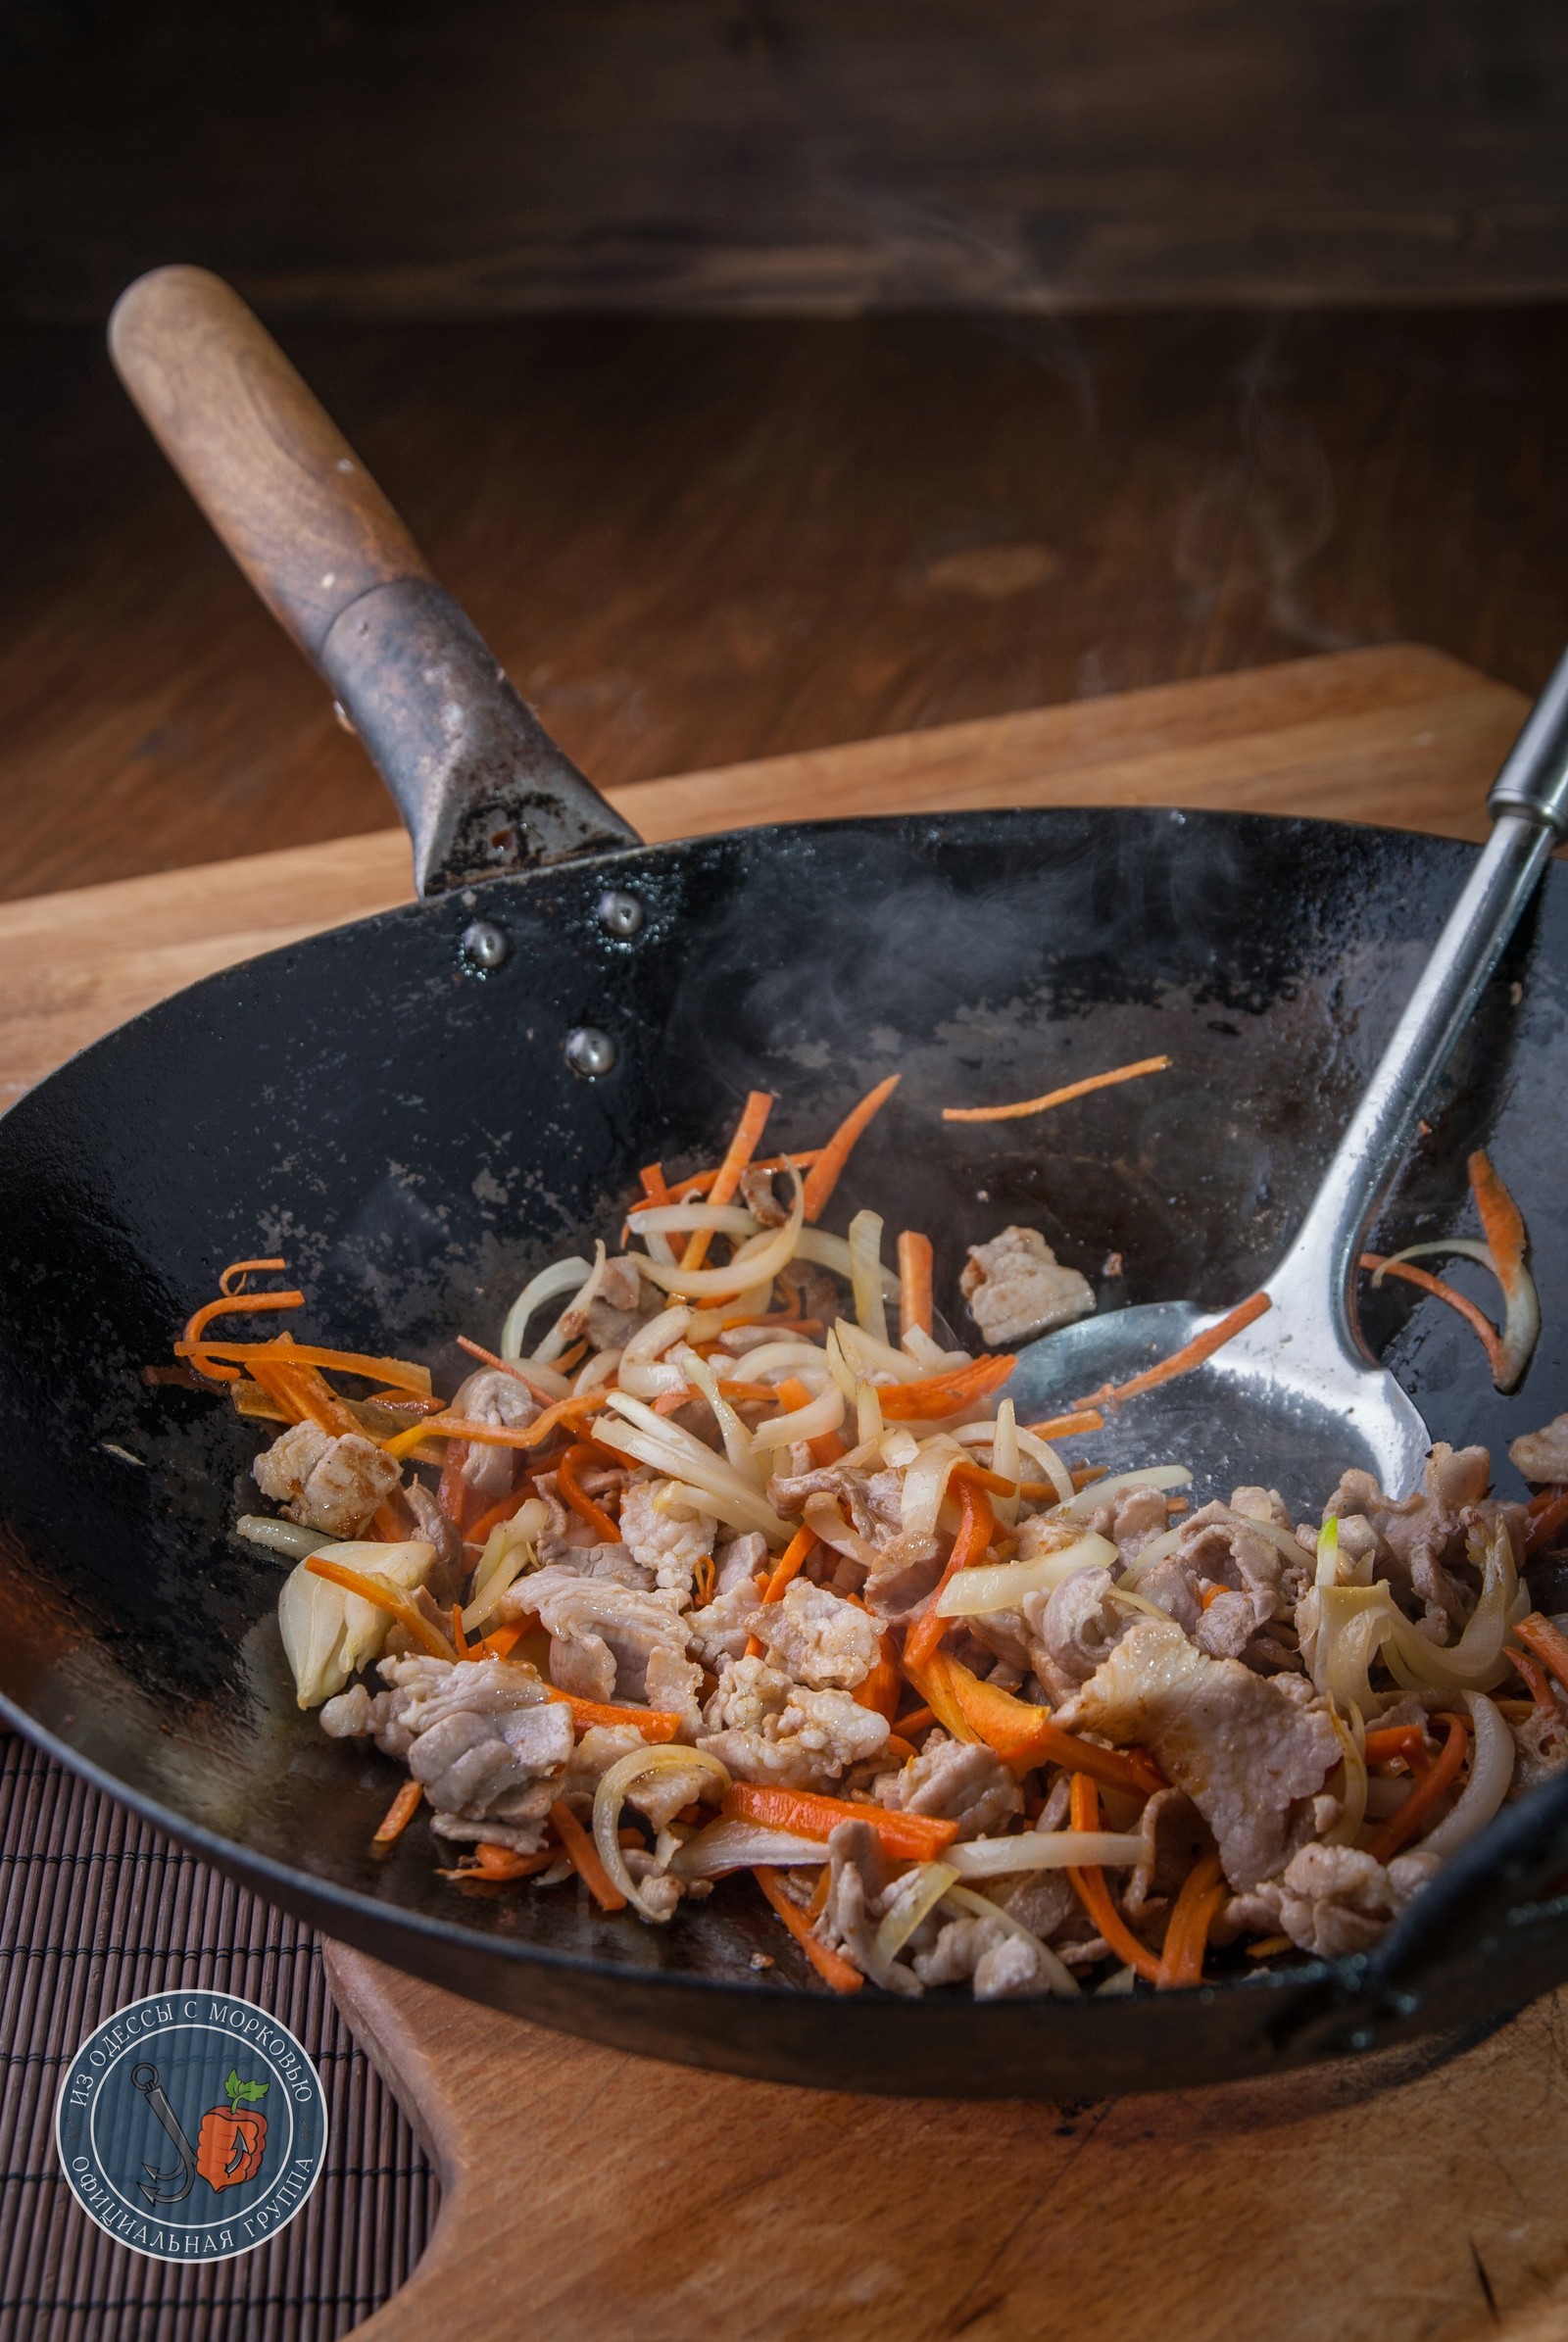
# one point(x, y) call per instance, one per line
point(725, 1846)
point(611, 1796)
point(759, 1259)
point(1048, 1850)
point(1153, 1476)
point(1003, 1584)
point(918, 1891)
point(563, 1276)
point(1491, 1771)
point(865, 1274)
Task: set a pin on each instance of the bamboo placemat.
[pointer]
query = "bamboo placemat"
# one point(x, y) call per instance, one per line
point(95, 1910)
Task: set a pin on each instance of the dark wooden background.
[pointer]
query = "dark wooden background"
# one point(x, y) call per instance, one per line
point(414, 157)
point(1176, 336)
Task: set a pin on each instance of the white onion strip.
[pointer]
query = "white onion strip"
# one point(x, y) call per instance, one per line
point(1155, 1476)
point(569, 1324)
point(1491, 1771)
point(679, 1219)
point(725, 1846)
point(611, 1796)
point(832, 1252)
point(759, 1259)
point(641, 1372)
point(1048, 1850)
point(823, 1414)
point(1003, 1584)
point(918, 1891)
point(563, 1276)
point(865, 1274)
point(288, 1538)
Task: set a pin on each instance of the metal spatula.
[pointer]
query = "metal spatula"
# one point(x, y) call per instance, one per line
point(1296, 1397)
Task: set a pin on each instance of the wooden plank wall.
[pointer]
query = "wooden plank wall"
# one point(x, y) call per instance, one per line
point(414, 157)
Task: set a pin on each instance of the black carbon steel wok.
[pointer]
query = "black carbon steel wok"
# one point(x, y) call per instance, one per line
point(404, 1124)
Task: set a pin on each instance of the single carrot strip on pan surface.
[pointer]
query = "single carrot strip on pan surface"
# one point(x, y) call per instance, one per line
point(202, 1355)
point(916, 1258)
point(398, 1814)
point(1054, 1097)
point(748, 1132)
point(499, 1863)
point(242, 1269)
point(1095, 1895)
point(830, 1965)
point(584, 1856)
point(1203, 1891)
point(1182, 1361)
point(806, 1813)
point(1480, 1325)
point(824, 1174)
point(1067, 1427)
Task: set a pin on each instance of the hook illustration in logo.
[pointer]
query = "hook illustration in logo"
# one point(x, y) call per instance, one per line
point(228, 2148)
point(165, 2187)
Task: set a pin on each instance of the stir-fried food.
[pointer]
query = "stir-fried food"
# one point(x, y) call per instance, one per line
point(729, 1571)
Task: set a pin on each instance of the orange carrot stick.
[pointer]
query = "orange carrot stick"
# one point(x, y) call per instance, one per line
point(830, 1965)
point(1480, 1325)
point(460, 1640)
point(976, 1522)
point(597, 1520)
point(398, 1814)
point(789, 1564)
point(1440, 1777)
point(806, 1813)
point(1540, 1687)
point(882, 1686)
point(1545, 1524)
point(948, 1394)
point(1054, 1097)
point(698, 1184)
point(398, 1371)
point(1025, 1737)
point(824, 1174)
point(748, 1131)
point(370, 1590)
point(916, 1260)
point(1094, 1894)
point(242, 1269)
point(654, 1724)
point(1067, 1427)
point(1549, 1642)
point(1404, 1741)
point(499, 1863)
point(518, 1374)
point(202, 1355)
point(1203, 1889)
point(1182, 1361)
point(584, 1856)
point(495, 1435)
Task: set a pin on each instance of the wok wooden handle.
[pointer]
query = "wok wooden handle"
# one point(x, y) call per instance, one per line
point(268, 465)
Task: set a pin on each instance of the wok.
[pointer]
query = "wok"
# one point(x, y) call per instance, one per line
point(395, 1107)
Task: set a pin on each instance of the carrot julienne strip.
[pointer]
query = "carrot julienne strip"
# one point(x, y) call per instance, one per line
point(1440, 1775)
point(1480, 1325)
point(501, 1643)
point(976, 1524)
point(654, 1724)
point(493, 1435)
point(460, 1640)
point(916, 1260)
point(242, 1269)
point(1535, 1676)
point(727, 1179)
point(1182, 1361)
point(830, 1965)
point(1090, 1886)
point(1501, 1221)
point(1054, 1097)
point(699, 1186)
point(1545, 1525)
point(597, 1520)
point(1405, 1743)
point(807, 1813)
point(1266, 1946)
point(398, 1814)
point(476, 1350)
point(499, 1863)
point(1025, 1737)
point(789, 1564)
point(1549, 1642)
point(395, 1371)
point(1203, 1891)
point(824, 1174)
point(202, 1354)
point(1067, 1427)
point(370, 1590)
point(584, 1856)
point(938, 1395)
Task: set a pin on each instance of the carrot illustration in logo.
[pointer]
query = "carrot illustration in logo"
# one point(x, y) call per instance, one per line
point(231, 2142)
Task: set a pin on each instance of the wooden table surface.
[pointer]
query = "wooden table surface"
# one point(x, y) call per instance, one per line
point(591, 2197)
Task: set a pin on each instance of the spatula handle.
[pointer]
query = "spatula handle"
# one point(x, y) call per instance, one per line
point(482, 786)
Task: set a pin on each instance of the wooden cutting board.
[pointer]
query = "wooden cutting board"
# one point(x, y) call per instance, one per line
point(591, 2197)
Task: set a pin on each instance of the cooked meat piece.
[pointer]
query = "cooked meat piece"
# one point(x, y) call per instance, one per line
point(903, 1576)
point(623, 1303)
point(857, 1898)
point(1226, 1626)
point(1003, 1967)
point(789, 1494)
point(1334, 1900)
point(629, 1625)
point(670, 1543)
point(1217, 1547)
point(953, 1781)
point(662, 1794)
point(1422, 1540)
point(334, 1484)
point(497, 1398)
point(817, 1639)
point(1079, 1626)
point(1016, 1287)
point(584, 1665)
point(1170, 1586)
point(1045, 1901)
point(736, 1340)
point(721, 1631)
point(1541, 1456)
point(600, 1747)
point(766, 1729)
point(1174, 1836)
point(438, 1529)
point(1541, 1745)
point(1244, 1748)
point(349, 1715)
point(483, 1738)
point(1129, 1519)
point(818, 1295)
point(760, 1198)
point(740, 1562)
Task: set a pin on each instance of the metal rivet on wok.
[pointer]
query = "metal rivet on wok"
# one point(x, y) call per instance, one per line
point(620, 914)
point(589, 1051)
point(483, 946)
